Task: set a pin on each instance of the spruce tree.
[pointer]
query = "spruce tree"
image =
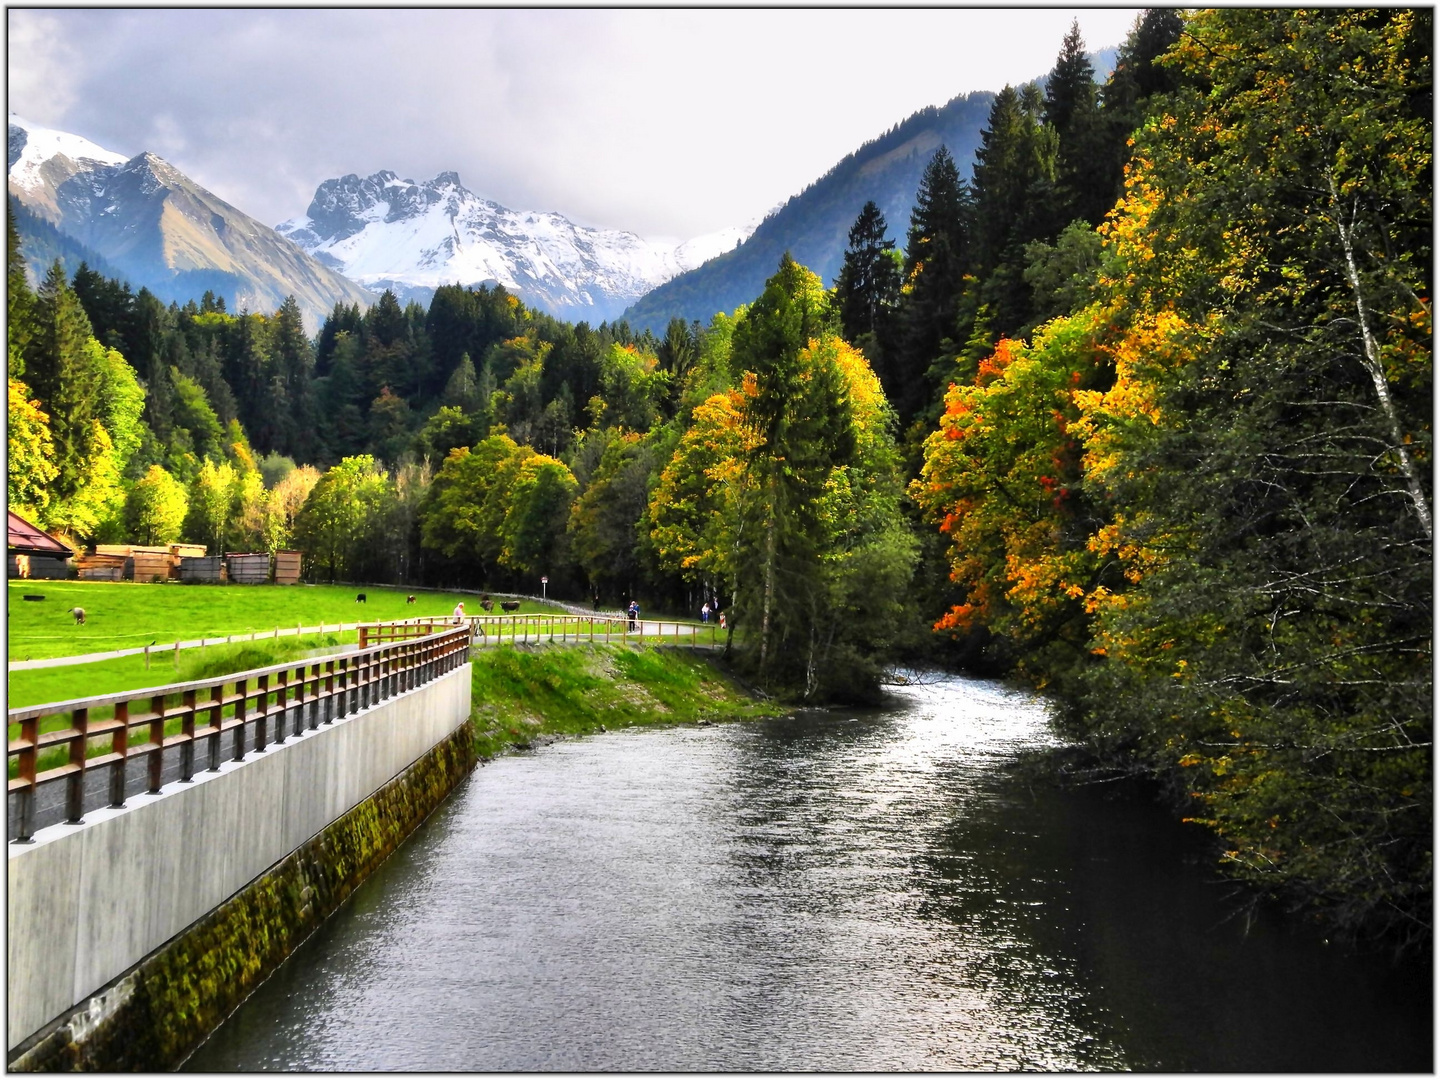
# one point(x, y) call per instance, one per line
point(867, 291)
point(63, 376)
point(938, 255)
point(19, 299)
point(1072, 110)
point(294, 363)
point(1014, 190)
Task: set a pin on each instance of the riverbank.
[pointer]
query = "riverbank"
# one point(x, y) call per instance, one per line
point(524, 694)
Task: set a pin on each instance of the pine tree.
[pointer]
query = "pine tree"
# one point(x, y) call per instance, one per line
point(867, 290)
point(294, 363)
point(1072, 110)
point(60, 374)
point(798, 413)
point(1014, 190)
point(938, 255)
point(20, 301)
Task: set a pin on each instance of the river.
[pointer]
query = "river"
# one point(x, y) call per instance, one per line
point(871, 890)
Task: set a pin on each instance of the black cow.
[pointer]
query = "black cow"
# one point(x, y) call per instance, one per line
point(360, 598)
point(510, 605)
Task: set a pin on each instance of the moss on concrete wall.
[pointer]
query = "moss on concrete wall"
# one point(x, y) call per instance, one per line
point(157, 1013)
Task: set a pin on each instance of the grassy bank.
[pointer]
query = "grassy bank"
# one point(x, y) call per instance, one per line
point(521, 693)
point(124, 615)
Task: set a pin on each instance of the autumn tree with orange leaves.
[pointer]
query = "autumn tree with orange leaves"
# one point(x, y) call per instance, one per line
point(1200, 507)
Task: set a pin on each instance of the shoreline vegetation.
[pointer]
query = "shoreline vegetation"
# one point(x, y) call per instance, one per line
point(531, 695)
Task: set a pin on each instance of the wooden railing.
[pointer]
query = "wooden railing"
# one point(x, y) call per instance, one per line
point(312, 691)
point(537, 626)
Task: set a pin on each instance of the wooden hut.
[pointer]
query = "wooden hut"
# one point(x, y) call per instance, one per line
point(202, 569)
point(287, 567)
point(248, 568)
point(33, 553)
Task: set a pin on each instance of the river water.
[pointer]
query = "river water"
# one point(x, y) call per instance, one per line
point(861, 891)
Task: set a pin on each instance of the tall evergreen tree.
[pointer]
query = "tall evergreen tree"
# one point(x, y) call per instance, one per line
point(59, 371)
point(938, 255)
point(294, 363)
point(1072, 110)
point(867, 291)
point(799, 416)
point(19, 300)
point(1014, 186)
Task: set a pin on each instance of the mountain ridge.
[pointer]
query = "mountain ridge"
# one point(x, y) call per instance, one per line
point(385, 231)
point(161, 230)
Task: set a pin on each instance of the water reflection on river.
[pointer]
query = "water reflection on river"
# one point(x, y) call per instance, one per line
point(862, 891)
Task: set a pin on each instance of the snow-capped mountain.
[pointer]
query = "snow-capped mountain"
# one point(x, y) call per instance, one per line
point(385, 232)
point(161, 230)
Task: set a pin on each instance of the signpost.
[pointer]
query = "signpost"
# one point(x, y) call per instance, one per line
point(543, 582)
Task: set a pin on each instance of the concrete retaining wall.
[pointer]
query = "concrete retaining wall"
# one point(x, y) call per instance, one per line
point(88, 902)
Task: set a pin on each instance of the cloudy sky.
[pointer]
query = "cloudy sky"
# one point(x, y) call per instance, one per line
point(670, 123)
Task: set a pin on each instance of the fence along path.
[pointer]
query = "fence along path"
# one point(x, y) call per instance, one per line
point(537, 627)
point(86, 743)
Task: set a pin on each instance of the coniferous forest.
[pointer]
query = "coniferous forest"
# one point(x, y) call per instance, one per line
point(1139, 410)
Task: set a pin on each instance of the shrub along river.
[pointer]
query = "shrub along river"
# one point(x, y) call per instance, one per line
point(863, 891)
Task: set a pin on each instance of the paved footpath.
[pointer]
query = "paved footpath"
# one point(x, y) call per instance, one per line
point(90, 658)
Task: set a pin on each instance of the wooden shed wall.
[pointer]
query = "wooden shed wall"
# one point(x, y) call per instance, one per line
point(287, 567)
point(209, 569)
point(152, 565)
point(249, 569)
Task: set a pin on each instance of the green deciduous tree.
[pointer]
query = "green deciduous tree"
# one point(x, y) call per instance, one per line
point(340, 516)
point(156, 507)
point(30, 453)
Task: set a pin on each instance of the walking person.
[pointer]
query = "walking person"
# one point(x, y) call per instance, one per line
point(634, 612)
point(705, 613)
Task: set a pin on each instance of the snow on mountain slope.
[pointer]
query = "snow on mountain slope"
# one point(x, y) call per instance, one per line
point(31, 146)
point(161, 230)
point(382, 231)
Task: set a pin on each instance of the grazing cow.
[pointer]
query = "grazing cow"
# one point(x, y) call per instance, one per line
point(487, 604)
point(360, 598)
point(409, 599)
point(510, 605)
point(79, 613)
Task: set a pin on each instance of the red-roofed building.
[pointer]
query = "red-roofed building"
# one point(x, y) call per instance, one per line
point(34, 553)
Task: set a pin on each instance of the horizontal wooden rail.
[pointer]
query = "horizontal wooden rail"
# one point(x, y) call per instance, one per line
point(524, 628)
point(265, 700)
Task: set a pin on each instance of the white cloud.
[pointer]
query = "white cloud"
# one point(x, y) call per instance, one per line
point(41, 65)
point(667, 122)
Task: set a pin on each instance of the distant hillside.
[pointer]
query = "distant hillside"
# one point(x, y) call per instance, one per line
point(813, 226)
point(41, 244)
